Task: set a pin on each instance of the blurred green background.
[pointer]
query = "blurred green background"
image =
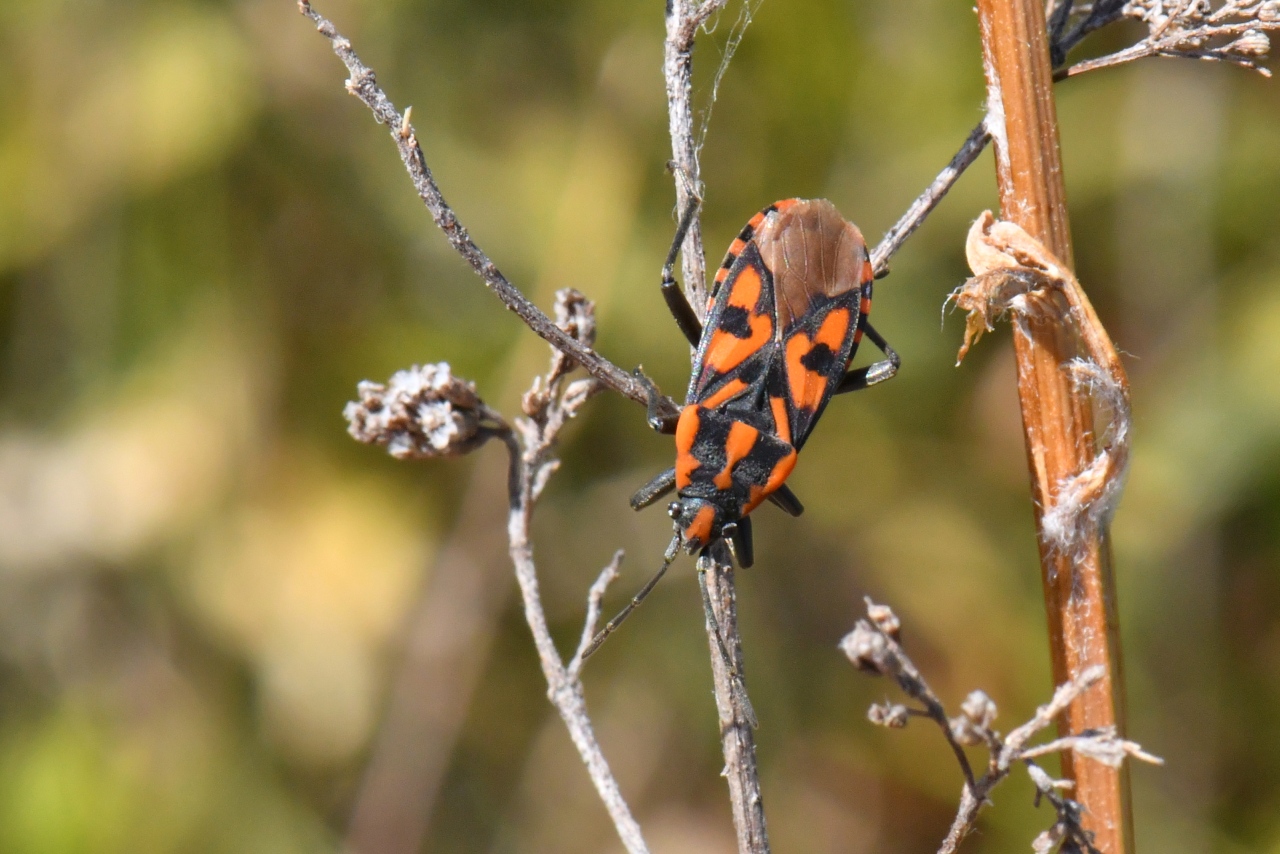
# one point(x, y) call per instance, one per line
point(226, 627)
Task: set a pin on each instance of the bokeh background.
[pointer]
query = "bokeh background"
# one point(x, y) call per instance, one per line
point(226, 627)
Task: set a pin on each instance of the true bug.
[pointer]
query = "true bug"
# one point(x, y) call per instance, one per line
point(786, 313)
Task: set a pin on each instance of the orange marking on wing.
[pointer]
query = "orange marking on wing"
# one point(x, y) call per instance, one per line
point(857, 336)
point(700, 528)
point(736, 247)
point(742, 437)
point(784, 204)
point(686, 432)
point(868, 272)
point(781, 420)
point(755, 221)
point(726, 352)
point(832, 330)
point(721, 275)
point(864, 307)
point(746, 288)
point(777, 477)
point(807, 387)
point(729, 392)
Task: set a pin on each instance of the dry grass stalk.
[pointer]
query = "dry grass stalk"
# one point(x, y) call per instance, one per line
point(1056, 412)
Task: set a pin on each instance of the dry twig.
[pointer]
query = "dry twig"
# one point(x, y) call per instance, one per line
point(1232, 31)
point(737, 740)
point(363, 84)
point(386, 415)
point(1235, 32)
point(874, 646)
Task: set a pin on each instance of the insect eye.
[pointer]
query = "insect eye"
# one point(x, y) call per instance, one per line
point(674, 509)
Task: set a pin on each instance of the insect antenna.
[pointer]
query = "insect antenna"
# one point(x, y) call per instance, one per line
point(735, 678)
point(670, 555)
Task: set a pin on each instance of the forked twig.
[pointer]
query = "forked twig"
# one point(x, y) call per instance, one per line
point(874, 646)
point(426, 412)
point(363, 84)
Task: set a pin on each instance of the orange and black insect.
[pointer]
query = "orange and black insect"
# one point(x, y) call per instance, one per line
point(786, 314)
point(787, 311)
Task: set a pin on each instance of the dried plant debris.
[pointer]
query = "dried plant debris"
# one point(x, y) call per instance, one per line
point(420, 413)
point(1233, 31)
point(1015, 275)
point(875, 647)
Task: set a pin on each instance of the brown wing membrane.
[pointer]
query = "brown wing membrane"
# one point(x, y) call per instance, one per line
point(812, 251)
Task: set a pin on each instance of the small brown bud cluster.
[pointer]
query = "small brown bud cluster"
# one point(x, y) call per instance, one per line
point(420, 413)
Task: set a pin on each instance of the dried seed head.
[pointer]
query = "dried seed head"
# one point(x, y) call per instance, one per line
point(884, 618)
point(891, 715)
point(867, 649)
point(421, 412)
point(979, 708)
point(1269, 11)
point(1253, 43)
point(576, 315)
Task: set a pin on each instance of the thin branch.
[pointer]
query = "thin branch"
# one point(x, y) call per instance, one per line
point(1233, 31)
point(737, 740)
point(874, 647)
point(737, 719)
point(684, 17)
point(595, 598)
point(363, 84)
point(915, 215)
point(452, 419)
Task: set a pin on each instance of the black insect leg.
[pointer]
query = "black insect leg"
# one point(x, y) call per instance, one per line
point(784, 498)
point(654, 489)
point(877, 372)
point(684, 314)
point(663, 424)
point(740, 542)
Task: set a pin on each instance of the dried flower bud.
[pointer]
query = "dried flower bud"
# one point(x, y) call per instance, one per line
point(979, 708)
point(973, 724)
point(576, 315)
point(891, 715)
point(421, 412)
point(867, 649)
point(964, 731)
point(1049, 840)
point(1253, 43)
point(884, 618)
point(1269, 11)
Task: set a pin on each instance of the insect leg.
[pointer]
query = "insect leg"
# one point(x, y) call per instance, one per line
point(663, 425)
point(654, 489)
point(740, 542)
point(679, 306)
point(784, 498)
point(877, 372)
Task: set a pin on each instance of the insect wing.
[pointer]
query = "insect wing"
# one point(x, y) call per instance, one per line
point(739, 338)
point(822, 285)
